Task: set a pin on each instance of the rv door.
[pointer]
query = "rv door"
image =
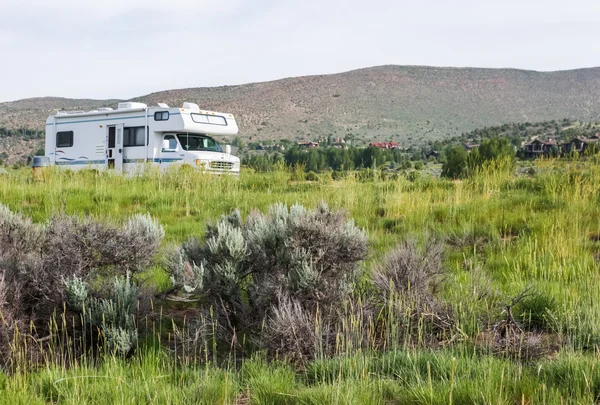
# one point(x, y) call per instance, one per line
point(114, 150)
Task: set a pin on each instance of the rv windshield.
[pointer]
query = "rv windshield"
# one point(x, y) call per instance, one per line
point(198, 142)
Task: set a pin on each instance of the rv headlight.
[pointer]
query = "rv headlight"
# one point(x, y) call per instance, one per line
point(200, 162)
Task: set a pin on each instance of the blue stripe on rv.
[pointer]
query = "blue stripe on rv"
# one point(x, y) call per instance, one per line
point(81, 162)
point(157, 160)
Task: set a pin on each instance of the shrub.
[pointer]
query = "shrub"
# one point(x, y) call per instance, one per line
point(312, 176)
point(114, 317)
point(406, 286)
point(407, 270)
point(291, 330)
point(535, 312)
point(18, 235)
point(339, 175)
point(289, 261)
point(83, 244)
point(413, 176)
point(35, 261)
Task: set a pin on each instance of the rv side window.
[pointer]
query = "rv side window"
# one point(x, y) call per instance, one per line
point(64, 139)
point(161, 116)
point(169, 143)
point(134, 136)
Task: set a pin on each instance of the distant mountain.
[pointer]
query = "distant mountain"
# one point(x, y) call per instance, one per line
point(408, 104)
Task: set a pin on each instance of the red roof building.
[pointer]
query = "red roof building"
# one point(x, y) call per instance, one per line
point(385, 145)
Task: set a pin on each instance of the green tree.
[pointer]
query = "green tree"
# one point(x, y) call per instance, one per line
point(491, 149)
point(495, 148)
point(456, 163)
point(313, 161)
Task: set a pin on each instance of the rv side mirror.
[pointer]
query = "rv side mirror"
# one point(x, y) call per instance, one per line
point(166, 145)
point(228, 149)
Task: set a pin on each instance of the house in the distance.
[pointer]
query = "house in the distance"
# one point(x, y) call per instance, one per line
point(339, 143)
point(385, 145)
point(470, 146)
point(538, 147)
point(581, 144)
point(308, 144)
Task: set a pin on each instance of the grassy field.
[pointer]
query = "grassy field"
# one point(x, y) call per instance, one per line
point(504, 233)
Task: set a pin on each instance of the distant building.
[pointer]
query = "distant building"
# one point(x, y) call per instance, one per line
point(470, 146)
point(308, 145)
point(580, 144)
point(538, 147)
point(385, 145)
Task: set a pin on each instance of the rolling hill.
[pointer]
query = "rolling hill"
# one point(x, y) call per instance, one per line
point(409, 104)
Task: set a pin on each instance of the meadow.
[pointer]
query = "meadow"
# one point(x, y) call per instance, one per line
point(505, 232)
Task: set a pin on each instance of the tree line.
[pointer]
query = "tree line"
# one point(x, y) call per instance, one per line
point(337, 159)
point(459, 163)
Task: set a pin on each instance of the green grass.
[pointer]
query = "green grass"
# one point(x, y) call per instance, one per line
point(505, 233)
point(457, 376)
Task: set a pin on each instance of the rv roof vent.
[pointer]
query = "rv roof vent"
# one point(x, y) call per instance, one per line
point(191, 106)
point(105, 109)
point(162, 105)
point(131, 105)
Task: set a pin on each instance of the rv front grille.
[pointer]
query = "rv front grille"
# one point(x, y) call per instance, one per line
point(221, 165)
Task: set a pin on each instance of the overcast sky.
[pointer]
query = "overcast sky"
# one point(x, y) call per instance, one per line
point(127, 48)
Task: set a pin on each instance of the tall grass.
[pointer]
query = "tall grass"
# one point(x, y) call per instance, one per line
point(505, 232)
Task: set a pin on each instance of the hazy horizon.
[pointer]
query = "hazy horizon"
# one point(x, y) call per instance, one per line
point(122, 50)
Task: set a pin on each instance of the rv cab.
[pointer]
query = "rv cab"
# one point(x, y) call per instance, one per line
point(199, 150)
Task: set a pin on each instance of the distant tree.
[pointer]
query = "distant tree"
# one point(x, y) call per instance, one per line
point(489, 150)
point(456, 162)
point(313, 161)
point(495, 148)
point(347, 161)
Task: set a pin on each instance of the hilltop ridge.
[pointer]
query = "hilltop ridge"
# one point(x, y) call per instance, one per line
point(407, 104)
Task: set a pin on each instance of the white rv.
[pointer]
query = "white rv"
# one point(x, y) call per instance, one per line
point(123, 140)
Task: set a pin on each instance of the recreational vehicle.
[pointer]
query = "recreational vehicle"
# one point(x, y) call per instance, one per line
point(125, 139)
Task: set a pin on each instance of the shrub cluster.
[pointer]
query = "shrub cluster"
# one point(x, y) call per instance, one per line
point(291, 281)
point(287, 281)
point(36, 261)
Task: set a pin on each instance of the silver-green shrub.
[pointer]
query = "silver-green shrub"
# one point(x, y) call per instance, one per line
point(114, 316)
point(184, 275)
point(311, 258)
